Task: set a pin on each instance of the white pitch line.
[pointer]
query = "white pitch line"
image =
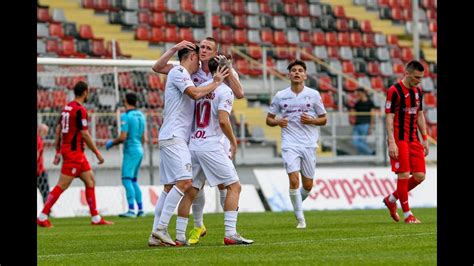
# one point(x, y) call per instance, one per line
point(224, 246)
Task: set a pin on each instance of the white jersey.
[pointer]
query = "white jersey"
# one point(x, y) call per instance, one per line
point(208, 135)
point(179, 107)
point(200, 76)
point(291, 106)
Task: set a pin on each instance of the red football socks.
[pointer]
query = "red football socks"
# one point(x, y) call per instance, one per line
point(52, 198)
point(412, 183)
point(402, 191)
point(90, 197)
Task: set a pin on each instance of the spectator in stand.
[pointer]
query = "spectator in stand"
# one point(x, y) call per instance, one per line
point(363, 111)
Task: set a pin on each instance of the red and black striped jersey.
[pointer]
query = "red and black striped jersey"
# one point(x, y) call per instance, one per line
point(405, 104)
point(73, 119)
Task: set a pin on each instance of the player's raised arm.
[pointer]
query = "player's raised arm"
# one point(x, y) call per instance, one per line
point(91, 145)
point(199, 92)
point(233, 79)
point(162, 66)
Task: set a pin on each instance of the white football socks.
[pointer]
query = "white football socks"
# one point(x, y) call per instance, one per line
point(96, 218)
point(223, 195)
point(181, 224)
point(230, 222)
point(295, 196)
point(198, 208)
point(43, 217)
point(304, 193)
point(172, 200)
point(158, 208)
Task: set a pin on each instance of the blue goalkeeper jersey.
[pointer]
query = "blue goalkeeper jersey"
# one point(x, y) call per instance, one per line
point(134, 123)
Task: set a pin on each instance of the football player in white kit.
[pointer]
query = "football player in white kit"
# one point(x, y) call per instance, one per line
point(175, 158)
point(301, 110)
point(209, 155)
point(208, 50)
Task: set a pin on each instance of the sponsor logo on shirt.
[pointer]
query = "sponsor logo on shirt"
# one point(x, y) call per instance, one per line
point(188, 167)
point(180, 70)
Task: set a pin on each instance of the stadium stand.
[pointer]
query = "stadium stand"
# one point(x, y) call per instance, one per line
point(366, 40)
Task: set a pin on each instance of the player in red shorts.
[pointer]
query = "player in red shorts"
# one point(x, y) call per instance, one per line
point(404, 109)
point(71, 133)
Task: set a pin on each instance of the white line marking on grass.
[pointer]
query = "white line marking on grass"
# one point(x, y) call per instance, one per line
point(155, 249)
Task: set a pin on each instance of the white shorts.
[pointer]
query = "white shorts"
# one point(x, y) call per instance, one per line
point(297, 159)
point(175, 162)
point(216, 166)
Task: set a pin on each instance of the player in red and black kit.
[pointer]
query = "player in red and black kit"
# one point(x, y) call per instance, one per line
point(71, 133)
point(405, 116)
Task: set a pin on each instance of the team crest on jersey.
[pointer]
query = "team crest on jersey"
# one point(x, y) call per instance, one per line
point(84, 122)
point(229, 102)
point(188, 167)
point(388, 105)
point(73, 171)
point(397, 165)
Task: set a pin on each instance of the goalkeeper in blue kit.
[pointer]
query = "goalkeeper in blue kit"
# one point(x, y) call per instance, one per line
point(132, 135)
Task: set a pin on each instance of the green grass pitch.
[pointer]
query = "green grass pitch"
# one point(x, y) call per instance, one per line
point(355, 237)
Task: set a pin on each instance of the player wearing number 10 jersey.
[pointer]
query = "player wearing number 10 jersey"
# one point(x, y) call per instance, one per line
point(208, 153)
point(71, 133)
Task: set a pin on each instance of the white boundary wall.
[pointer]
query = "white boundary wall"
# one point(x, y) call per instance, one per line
point(340, 188)
point(111, 200)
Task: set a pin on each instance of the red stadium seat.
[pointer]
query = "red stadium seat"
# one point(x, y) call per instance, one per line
point(67, 47)
point(144, 17)
point(395, 53)
point(142, 33)
point(158, 6)
point(356, 39)
point(154, 99)
point(240, 36)
point(216, 21)
point(383, 3)
point(407, 54)
point(398, 68)
point(342, 24)
point(365, 26)
point(144, 4)
point(154, 82)
point(307, 49)
point(43, 99)
point(85, 31)
point(328, 100)
point(393, 3)
point(290, 10)
point(157, 35)
point(377, 83)
point(56, 29)
point(266, 36)
point(348, 67)
point(350, 85)
point(52, 45)
point(238, 8)
point(101, 5)
point(97, 47)
point(303, 9)
point(331, 38)
point(265, 8)
point(281, 52)
point(429, 100)
point(373, 68)
point(226, 6)
point(186, 34)
point(339, 11)
point(324, 83)
point(171, 34)
point(255, 51)
point(226, 36)
point(433, 26)
point(158, 20)
point(42, 14)
point(405, 4)
point(318, 38)
point(397, 14)
point(434, 40)
point(242, 67)
point(343, 39)
point(333, 52)
point(304, 37)
point(368, 39)
point(59, 98)
point(280, 37)
point(240, 22)
point(392, 40)
point(255, 69)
